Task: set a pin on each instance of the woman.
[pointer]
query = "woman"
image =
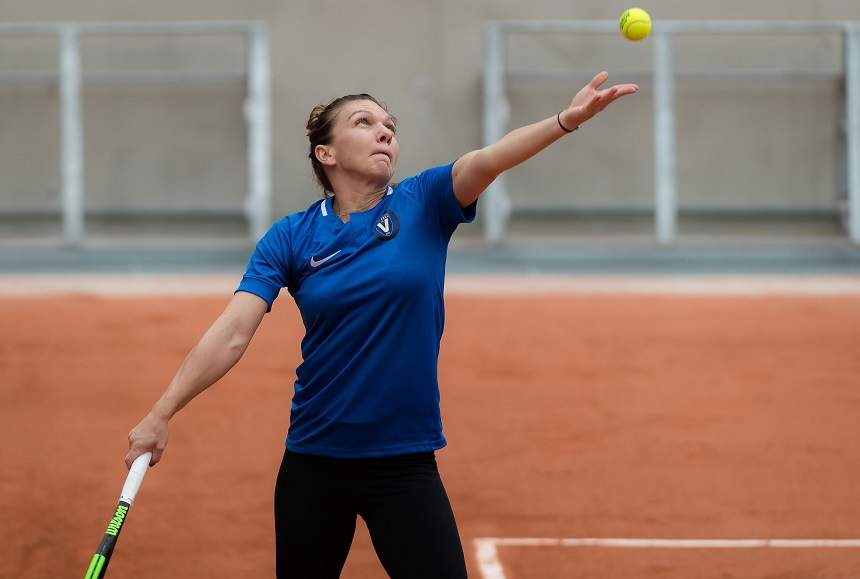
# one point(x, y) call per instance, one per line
point(366, 268)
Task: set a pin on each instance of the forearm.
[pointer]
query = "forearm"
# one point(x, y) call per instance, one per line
point(474, 171)
point(218, 350)
point(521, 144)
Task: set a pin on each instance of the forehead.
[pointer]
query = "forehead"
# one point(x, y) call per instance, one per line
point(353, 106)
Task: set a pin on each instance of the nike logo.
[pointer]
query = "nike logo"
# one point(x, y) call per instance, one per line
point(317, 263)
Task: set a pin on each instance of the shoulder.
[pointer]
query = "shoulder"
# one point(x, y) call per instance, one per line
point(424, 181)
point(317, 207)
point(304, 218)
point(282, 231)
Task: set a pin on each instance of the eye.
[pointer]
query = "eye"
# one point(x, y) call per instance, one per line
point(392, 128)
point(362, 120)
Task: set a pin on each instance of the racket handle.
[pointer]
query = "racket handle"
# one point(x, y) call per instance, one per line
point(99, 562)
point(135, 478)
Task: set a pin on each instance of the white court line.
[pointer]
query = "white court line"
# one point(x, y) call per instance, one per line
point(486, 548)
point(33, 285)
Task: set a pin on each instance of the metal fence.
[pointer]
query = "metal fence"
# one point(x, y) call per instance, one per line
point(496, 110)
point(257, 110)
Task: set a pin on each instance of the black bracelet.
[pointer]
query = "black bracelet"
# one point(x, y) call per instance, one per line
point(563, 128)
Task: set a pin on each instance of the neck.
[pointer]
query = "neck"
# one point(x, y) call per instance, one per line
point(346, 200)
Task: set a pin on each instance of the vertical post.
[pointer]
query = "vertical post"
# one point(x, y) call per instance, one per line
point(258, 116)
point(852, 104)
point(664, 139)
point(496, 206)
point(72, 136)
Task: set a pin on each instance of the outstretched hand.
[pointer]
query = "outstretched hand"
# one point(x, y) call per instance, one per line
point(592, 99)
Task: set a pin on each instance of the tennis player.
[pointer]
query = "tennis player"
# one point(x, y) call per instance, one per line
point(366, 267)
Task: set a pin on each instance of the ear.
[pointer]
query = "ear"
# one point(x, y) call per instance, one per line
point(325, 155)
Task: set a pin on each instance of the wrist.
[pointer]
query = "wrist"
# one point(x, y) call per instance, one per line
point(161, 410)
point(565, 121)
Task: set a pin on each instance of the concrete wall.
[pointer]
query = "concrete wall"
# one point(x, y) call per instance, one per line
point(751, 143)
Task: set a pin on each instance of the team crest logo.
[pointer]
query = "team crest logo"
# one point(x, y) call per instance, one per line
point(387, 227)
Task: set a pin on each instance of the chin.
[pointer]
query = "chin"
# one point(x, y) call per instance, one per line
point(383, 176)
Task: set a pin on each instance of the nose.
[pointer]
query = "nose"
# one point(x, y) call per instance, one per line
point(385, 135)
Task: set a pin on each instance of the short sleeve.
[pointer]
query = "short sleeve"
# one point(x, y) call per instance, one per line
point(269, 267)
point(437, 187)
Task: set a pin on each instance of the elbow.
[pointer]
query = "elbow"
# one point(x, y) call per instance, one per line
point(473, 174)
point(234, 331)
point(487, 165)
point(238, 343)
point(231, 338)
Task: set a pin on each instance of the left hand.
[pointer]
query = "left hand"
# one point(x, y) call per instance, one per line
point(592, 99)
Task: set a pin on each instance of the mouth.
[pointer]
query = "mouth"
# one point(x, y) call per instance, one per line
point(387, 156)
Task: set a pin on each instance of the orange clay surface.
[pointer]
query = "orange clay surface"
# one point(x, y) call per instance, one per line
point(566, 416)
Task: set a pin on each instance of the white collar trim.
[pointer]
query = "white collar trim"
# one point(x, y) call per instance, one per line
point(324, 210)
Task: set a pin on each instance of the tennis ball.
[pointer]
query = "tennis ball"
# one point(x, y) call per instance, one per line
point(635, 24)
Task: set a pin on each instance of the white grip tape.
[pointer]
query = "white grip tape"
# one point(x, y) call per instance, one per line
point(135, 477)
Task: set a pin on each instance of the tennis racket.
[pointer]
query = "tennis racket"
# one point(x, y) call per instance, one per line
point(99, 563)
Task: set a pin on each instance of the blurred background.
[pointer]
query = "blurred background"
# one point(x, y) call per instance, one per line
point(191, 128)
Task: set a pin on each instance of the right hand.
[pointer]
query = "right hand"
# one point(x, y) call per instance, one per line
point(150, 435)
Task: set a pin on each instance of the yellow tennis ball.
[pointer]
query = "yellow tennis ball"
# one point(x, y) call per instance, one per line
point(635, 24)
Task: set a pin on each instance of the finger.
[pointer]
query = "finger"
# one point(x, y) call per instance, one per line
point(622, 92)
point(604, 98)
point(599, 79)
point(626, 88)
point(130, 456)
point(156, 456)
point(135, 449)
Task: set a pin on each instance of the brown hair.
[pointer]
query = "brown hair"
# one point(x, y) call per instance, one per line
point(320, 125)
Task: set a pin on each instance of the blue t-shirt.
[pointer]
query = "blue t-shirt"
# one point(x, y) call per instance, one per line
point(370, 292)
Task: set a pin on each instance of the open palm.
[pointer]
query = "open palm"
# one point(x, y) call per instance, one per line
point(591, 99)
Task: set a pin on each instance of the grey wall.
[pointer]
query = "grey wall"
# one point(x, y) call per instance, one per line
point(753, 143)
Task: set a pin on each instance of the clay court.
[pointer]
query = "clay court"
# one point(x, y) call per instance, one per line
point(569, 415)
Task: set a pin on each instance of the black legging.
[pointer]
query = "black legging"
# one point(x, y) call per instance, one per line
point(401, 498)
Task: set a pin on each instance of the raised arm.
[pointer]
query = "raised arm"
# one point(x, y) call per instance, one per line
point(217, 351)
point(475, 170)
